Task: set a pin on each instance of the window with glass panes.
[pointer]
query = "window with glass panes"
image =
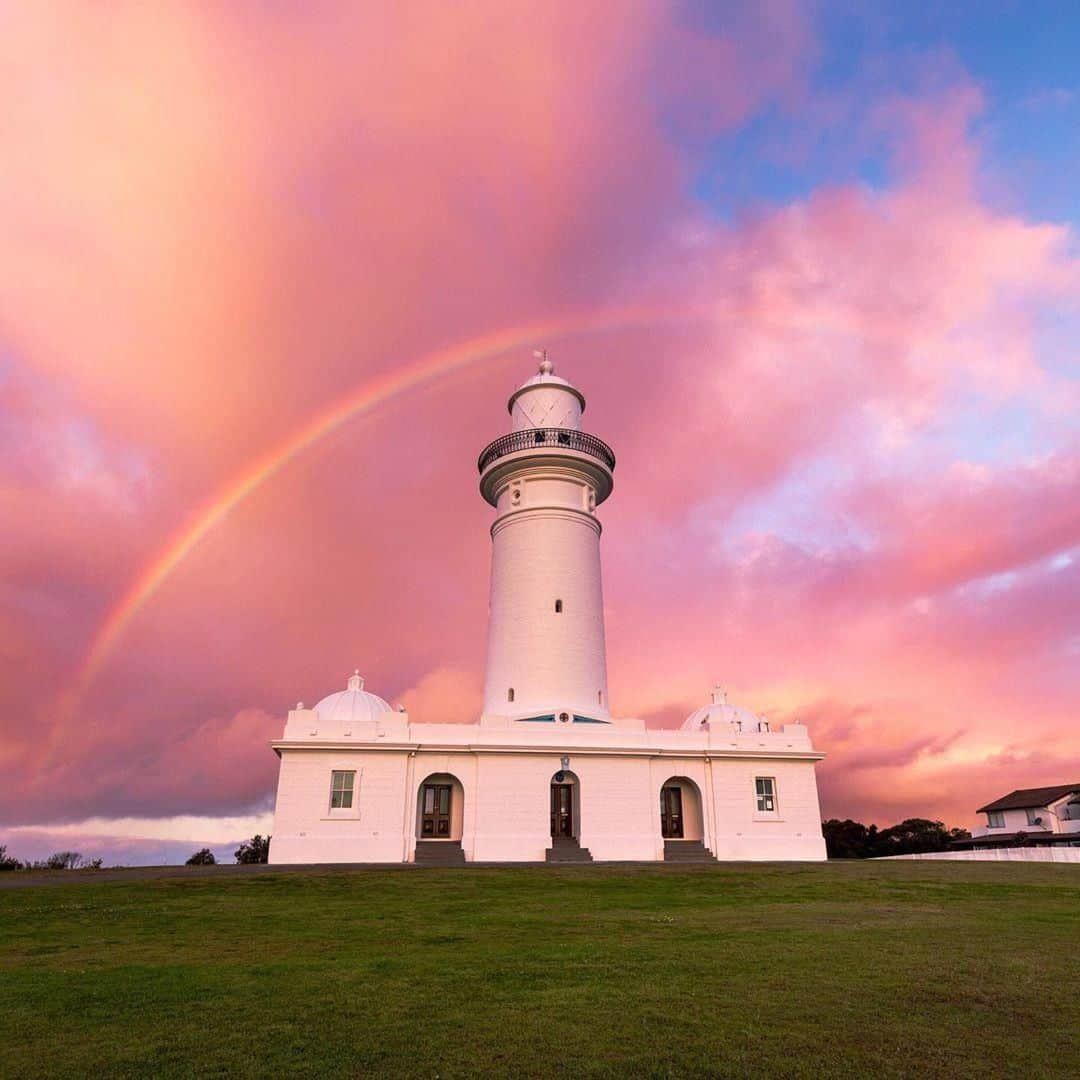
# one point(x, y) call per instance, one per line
point(341, 789)
point(995, 819)
point(766, 794)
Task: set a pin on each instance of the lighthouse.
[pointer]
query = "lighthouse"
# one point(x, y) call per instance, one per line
point(546, 656)
point(547, 772)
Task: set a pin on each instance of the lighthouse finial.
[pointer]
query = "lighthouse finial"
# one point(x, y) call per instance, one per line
point(546, 366)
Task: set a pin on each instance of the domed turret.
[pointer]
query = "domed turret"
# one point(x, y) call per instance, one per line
point(720, 711)
point(353, 705)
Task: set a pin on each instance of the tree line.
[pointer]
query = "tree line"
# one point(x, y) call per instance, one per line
point(255, 850)
point(915, 836)
point(60, 860)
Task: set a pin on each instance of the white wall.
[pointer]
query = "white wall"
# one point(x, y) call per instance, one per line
point(306, 830)
point(505, 814)
point(792, 832)
point(1015, 821)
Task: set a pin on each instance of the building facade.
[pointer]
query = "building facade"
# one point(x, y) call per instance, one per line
point(546, 772)
point(1046, 816)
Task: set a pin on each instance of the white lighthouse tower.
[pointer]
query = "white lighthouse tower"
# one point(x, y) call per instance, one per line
point(546, 658)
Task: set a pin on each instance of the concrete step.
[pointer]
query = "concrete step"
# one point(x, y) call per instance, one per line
point(439, 853)
point(564, 850)
point(691, 851)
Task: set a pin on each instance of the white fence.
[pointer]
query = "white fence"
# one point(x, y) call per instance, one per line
point(1005, 854)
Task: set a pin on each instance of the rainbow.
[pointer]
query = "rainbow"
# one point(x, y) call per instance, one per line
point(362, 400)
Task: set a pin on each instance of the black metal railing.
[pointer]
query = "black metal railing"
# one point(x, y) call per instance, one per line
point(538, 437)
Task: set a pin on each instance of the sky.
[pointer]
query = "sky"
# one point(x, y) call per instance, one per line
point(270, 271)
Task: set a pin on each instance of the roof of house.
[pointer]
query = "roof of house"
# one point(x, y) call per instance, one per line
point(1026, 798)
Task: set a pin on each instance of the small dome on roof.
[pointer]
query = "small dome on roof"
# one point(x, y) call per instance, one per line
point(352, 705)
point(720, 711)
point(546, 377)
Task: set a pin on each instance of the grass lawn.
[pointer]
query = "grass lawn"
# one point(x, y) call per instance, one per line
point(845, 969)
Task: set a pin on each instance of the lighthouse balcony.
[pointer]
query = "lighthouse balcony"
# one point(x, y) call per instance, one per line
point(545, 439)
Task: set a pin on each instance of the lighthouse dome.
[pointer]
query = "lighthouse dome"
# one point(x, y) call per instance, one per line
point(352, 705)
point(546, 401)
point(546, 376)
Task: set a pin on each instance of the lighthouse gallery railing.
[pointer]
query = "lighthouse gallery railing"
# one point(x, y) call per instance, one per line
point(564, 438)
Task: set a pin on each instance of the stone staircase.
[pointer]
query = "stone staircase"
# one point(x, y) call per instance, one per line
point(687, 851)
point(565, 850)
point(439, 853)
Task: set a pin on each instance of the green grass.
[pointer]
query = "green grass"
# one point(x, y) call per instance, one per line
point(849, 969)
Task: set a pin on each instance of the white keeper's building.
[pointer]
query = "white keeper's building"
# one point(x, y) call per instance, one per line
point(545, 772)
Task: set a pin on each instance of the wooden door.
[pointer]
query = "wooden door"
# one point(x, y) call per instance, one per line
point(562, 810)
point(435, 812)
point(671, 822)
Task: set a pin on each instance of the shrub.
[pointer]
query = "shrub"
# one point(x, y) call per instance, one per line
point(64, 860)
point(914, 836)
point(848, 839)
point(6, 861)
point(202, 858)
point(255, 850)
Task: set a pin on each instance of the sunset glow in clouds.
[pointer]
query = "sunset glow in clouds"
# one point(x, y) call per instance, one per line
point(271, 270)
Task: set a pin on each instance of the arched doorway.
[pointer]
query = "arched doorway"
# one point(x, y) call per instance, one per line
point(566, 820)
point(565, 806)
point(440, 806)
point(680, 810)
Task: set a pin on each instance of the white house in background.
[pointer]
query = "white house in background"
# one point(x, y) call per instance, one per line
point(1040, 816)
point(546, 772)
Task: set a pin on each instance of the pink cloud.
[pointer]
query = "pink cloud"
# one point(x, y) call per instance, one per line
point(220, 223)
point(445, 696)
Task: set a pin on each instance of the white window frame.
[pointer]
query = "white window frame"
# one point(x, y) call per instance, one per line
point(1033, 816)
point(765, 794)
point(346, 786)
point(995, 819)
